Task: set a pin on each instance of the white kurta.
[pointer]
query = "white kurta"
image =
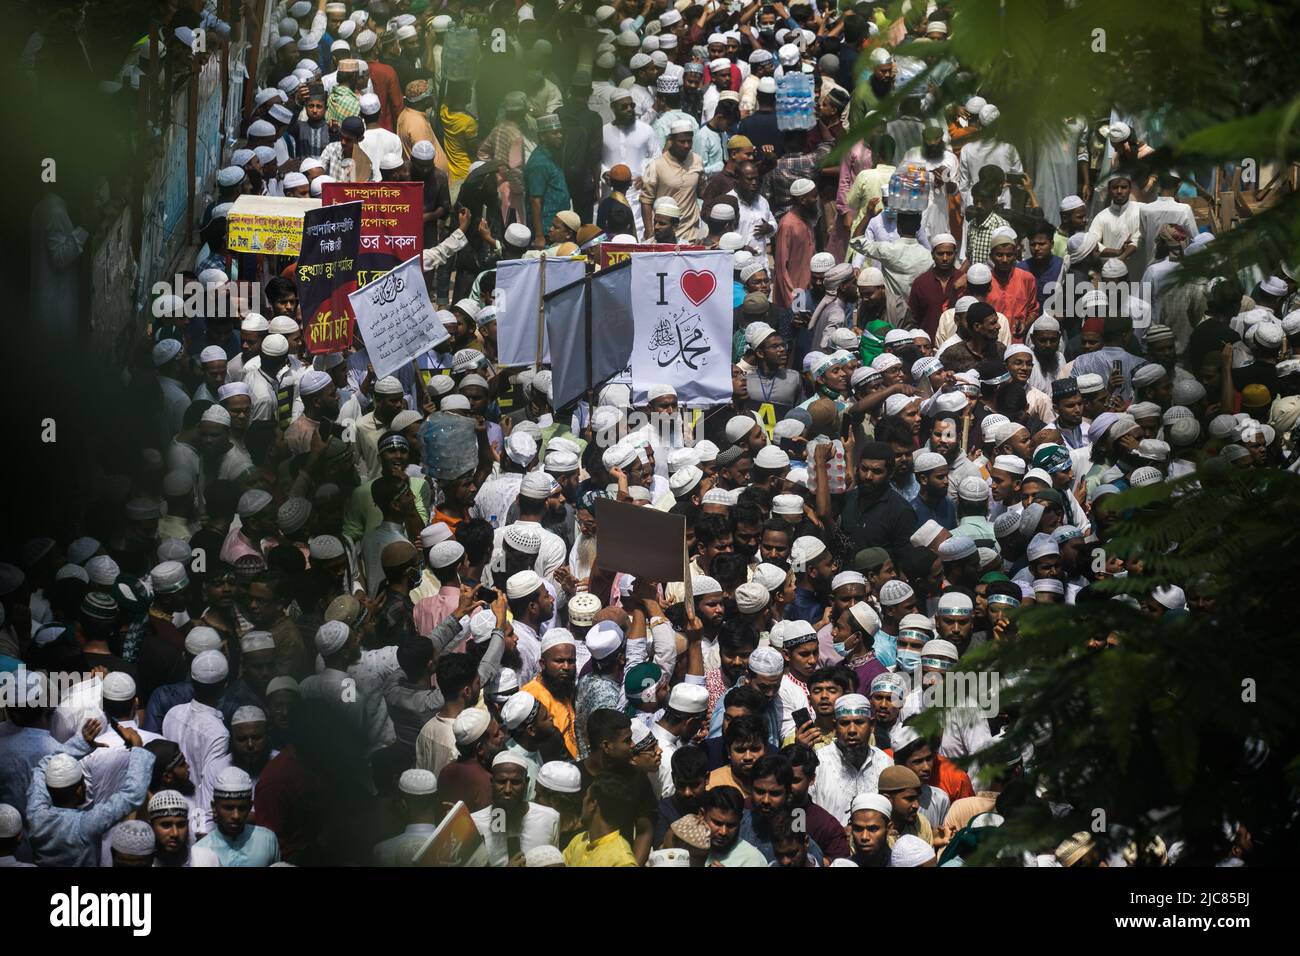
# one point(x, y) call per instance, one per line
point(539, 827)
point(837, 783)
point(988, 152)
point(1055, 169)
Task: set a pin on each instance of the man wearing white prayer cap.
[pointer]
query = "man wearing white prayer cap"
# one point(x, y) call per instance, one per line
point(235, 840)
point(555, 684)
point(682, 718)
point(850, 765)
point(512, 824)
point(59, 831)
point(532, 605)
point(674, 174)
point(417, 795)
point(197, 726)
point(105, 767)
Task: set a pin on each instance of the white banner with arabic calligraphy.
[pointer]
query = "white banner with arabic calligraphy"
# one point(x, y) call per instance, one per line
point(681, 312)
point(396, 318)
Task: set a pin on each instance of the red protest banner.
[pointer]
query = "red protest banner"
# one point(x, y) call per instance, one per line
point(392, 223)
point(614, 253)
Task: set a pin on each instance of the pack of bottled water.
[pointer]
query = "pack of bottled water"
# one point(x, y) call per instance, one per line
point(794, 102)
point(908, 189)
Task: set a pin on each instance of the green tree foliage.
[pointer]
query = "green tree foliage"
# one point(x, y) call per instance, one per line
point(1218, 82)
point(1183, 722)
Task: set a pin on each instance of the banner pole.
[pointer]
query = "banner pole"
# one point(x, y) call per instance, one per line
point(541, 313)
point(586, 301)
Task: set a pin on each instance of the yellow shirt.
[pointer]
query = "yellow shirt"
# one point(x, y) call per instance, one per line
point(459, 132)
point(609, 850)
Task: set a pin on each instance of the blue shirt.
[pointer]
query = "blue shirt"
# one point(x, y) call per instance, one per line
point(806, 606)
point(764, 844)
point(772, 713)
point(255, 846)
point(1052, 273)
point(67, 836)
point(945, 513)
point(708, 145)
point(20, 752)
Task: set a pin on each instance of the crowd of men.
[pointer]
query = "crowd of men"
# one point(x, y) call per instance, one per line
point(300, 647)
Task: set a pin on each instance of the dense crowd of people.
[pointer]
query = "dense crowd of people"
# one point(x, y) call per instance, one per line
point(293, 640)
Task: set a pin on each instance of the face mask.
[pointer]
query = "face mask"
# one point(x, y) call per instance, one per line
point(909, 660)
point(839, 648)
point(885, 648)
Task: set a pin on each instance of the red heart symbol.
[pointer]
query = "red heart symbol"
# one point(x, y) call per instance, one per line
point(698, 286)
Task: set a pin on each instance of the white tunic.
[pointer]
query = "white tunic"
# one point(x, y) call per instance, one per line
point(540, 826)
point(837, 783)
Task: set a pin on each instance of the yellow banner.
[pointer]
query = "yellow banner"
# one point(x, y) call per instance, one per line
point(268, 235)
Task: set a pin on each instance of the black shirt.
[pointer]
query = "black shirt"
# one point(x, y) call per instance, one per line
point(886, 521)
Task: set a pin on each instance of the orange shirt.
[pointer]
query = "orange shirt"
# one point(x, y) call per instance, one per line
point(948, 777)
point(446, 519)
point(561, 712)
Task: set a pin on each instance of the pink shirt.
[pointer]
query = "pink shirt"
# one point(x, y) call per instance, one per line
point(432, 611)
point(236, 546)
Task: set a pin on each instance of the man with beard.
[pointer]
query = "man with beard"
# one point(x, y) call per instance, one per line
point(869, 94)
point(875, 515)
point(796, 242)
point(169, 817)
point(530, 728)
point(512, 824)
point(851, 765)
point(389, 399)
point(738, 150)
point(1118, 228)
point(772, 797)
point(252, 330)
point(235, 841)
point(869, 817)
point(941, 162)
point(815, 567)
point(554, 686)
point(978, 339)
point(479, 738)
point(836, 309)
point(754, 220)
point(723, 809)
point(320, 403)
point(936, 289)
point(250, 750)
point(1044, 337)
point(677, 174)
point(1019, 360)
point(1013, 292)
